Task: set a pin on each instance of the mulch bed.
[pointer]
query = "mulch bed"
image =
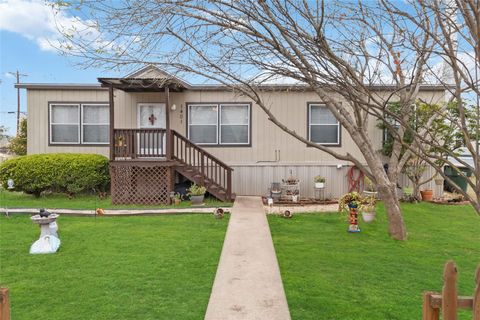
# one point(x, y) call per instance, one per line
point(450, 202)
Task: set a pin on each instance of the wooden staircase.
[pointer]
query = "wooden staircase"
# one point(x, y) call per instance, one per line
point(201, 167)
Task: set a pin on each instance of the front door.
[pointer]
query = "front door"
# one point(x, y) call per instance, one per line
point(151, 116)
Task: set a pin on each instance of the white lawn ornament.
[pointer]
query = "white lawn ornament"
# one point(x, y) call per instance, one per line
point(48, 241)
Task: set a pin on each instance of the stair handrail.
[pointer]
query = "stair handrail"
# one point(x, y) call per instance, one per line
point(211, 156)
point(227, 168)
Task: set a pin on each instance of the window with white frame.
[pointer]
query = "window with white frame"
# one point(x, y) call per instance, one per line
point(77, 123)
point(234, 124)
point(203, 123)
point(95, 123)
point(219, 124)
point(323, 127)
point(65, 123)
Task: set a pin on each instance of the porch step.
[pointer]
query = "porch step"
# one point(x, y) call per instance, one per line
point(203, 168)
point(197, 177)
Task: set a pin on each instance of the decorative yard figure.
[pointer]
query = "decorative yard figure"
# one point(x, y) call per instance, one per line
point(353, 219)
point(350, 202)
point(48, 241)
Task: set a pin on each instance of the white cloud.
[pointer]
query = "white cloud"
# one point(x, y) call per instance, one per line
point(38, 21)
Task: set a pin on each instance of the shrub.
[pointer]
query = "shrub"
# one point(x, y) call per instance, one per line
point(68, 172)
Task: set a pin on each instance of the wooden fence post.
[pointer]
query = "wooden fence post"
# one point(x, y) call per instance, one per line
point(449, 292)
point(4, 304)
point(429, 313)
point(476, 297)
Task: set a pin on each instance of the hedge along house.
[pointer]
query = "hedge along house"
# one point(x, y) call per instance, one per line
point(157, 129)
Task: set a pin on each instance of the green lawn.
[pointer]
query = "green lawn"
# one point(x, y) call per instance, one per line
point(156, 267)
point(82, 201)
point(331, 274)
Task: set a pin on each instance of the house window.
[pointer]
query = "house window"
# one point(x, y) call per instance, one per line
point(65, 123)
point(203, 124)
point(234, 124)
point(76, 123)
point(95, 125)
point(219, 124)
point(323, 127)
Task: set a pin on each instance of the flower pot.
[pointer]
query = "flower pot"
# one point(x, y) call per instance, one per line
point(368, 216)
point(370, 193)
point(177, 201)
point(427, 195)
point(319, 185)
point(276, 195)
point(197, 199)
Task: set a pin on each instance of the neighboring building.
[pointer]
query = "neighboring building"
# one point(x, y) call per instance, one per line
point(164, 126)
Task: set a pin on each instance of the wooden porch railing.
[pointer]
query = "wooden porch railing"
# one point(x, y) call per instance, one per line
point(448, 302)
point(139, 143)
point(210, 167)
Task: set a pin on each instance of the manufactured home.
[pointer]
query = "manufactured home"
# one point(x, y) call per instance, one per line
point(158, 129)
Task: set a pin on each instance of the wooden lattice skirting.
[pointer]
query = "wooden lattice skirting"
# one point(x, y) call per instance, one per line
point(140, 183)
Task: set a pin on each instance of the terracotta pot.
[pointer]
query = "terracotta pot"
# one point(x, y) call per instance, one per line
point(177, 201)
point(427, 195)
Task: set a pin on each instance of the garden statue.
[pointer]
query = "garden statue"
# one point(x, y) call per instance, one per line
point(353, 219)
point(350, 202)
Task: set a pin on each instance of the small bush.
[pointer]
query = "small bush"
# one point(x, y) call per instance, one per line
point(68, 172)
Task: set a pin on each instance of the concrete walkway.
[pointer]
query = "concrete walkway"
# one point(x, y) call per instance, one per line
point(248, 284)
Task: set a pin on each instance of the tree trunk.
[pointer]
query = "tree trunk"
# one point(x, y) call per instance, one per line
point(416, 190)
point(396, 225)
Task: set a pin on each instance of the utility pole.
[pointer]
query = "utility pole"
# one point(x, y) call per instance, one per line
point(17, 75)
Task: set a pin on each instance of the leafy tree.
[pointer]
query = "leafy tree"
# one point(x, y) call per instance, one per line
point(18, 145)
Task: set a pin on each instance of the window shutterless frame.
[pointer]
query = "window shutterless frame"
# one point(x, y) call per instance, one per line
point(79, 123)
point(189, 124)
point(82, 123)
point(51, 124)
point(234, 124)
point(310, 124)
point(218, 124)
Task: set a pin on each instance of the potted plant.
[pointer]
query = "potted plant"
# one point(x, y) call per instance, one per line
point(368, 208)
point(177, 198)
point(196, 193)
point(120, 141)
point(438, 180)
point(349, 200)
point(319, 182)
point(427, 195)
point(369, 187)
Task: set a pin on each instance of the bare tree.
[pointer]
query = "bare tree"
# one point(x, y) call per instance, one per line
point(344, 52)
point(455, 63)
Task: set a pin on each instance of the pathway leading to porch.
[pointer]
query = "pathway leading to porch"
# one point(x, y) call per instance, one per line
point(248, 284)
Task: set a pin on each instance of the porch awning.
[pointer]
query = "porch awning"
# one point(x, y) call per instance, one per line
point(143, 84)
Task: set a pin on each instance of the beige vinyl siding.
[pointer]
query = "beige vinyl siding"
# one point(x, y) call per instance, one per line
point(38, 125)
point(289, 107)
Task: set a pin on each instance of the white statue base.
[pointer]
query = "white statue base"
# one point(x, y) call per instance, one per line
point(48, 241)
